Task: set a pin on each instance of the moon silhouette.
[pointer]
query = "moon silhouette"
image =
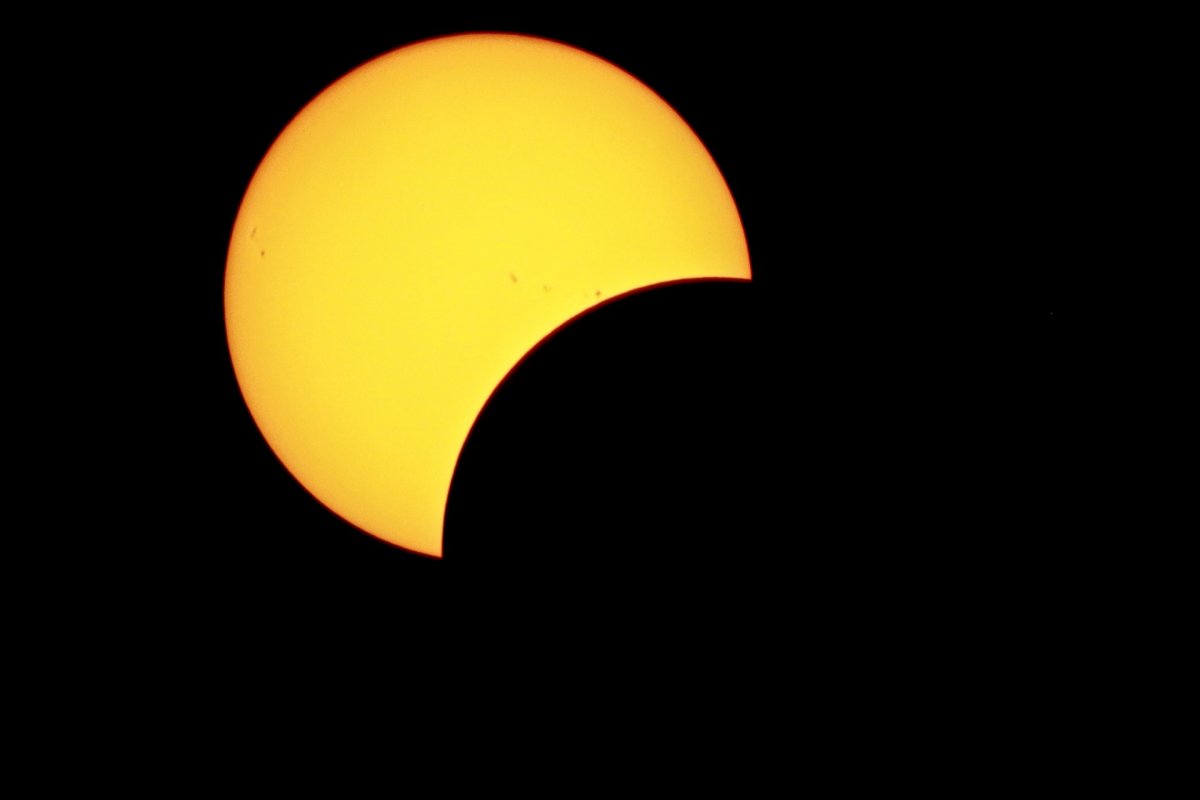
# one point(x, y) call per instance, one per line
point(424, 223)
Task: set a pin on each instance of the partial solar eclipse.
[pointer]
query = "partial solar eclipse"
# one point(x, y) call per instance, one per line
point(424, 223)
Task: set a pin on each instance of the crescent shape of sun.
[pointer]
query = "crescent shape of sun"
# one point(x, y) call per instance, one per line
point(424, 223)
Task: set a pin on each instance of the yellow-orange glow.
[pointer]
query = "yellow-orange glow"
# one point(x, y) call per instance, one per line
point(425, 222)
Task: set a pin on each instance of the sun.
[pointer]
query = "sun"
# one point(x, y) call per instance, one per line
point(423, 224)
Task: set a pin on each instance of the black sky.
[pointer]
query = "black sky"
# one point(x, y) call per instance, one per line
point(874, 423)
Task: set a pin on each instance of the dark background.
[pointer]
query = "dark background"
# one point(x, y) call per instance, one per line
point(866, 443)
